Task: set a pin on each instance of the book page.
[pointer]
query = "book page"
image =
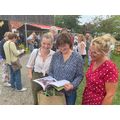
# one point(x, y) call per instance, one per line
point(44, 83)
point(49, 78)
point(59, 83)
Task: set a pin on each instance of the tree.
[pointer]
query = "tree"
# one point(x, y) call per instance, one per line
point(109, 25)
point(68, 21)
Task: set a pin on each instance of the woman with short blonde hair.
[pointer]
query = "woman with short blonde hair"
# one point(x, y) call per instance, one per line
point(102, 75)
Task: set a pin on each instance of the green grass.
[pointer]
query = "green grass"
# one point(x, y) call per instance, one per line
point(116, 101)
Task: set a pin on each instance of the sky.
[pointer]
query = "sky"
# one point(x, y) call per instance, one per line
point(86, 18)
point(89, 18)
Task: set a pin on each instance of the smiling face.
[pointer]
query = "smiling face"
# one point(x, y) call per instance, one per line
point(46, 44)
point(64, 48)
point(95, 53)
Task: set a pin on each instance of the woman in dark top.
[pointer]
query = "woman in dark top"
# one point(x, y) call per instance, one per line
point(68, 65)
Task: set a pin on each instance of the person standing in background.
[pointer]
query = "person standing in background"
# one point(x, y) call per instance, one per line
point(12, 54)
point(82, 46)
point(88, 42)
point(54, 33)
point(75, 45)
point(5, 68)
point(31, 41)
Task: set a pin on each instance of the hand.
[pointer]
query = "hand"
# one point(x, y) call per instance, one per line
point(22, 51)
point(68, 87)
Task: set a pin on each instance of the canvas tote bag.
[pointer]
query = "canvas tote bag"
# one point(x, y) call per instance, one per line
point(43, 99)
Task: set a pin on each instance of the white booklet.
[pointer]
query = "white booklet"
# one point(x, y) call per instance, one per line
point(50, 81)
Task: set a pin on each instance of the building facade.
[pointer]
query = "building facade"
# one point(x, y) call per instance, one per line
point(38, 19)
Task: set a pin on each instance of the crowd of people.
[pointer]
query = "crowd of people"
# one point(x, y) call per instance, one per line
point(63, 56)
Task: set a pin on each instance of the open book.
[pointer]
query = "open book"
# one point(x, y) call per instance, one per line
point(50, 81)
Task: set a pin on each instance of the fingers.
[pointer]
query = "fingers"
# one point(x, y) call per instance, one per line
point(68, 86)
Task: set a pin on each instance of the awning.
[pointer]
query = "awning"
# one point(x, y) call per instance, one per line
point(43, 26)
point(40, 26)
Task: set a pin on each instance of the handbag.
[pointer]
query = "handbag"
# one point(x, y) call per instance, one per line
point(44, 99)
point(16, 65)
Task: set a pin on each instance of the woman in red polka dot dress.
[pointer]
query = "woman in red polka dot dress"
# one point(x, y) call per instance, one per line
point(102, 75)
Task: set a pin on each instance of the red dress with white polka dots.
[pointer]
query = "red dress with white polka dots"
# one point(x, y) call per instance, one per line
point(95, 92)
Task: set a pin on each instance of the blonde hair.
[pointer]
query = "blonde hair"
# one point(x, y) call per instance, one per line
point(53, 28)
point(81, 36)
point(47, 36)
point(103, 43)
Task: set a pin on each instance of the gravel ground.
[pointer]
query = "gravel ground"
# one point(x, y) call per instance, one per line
point(8, 96)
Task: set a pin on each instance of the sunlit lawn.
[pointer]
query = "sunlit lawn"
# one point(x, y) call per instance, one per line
point(116, 101)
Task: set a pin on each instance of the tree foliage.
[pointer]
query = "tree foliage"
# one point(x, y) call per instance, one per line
point(68, 21)
point(101, 25)
point(98, 26)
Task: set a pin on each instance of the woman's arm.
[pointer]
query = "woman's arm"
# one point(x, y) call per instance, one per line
point(33, 56)
point(82, 47)
point(14, 49)
point(30, 73)
point(110, 92)
point(31, 63)
point(79, 73)
point(78, 76)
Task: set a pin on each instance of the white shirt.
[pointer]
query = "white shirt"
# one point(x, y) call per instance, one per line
point(37, 62)
point(80, 49)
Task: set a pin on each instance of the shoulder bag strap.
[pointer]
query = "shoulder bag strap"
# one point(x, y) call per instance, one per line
point(35, 57)
point(9, 51)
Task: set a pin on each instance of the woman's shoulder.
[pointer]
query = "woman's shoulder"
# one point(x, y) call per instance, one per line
point(57, 54)
point(76, 55)
point(112, 71)
point(52, 52)
point(110, 64)
point(11, 44)
point(6, 43)
point(34, 52)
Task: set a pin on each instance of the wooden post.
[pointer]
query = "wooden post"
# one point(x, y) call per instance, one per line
point(26, 35)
